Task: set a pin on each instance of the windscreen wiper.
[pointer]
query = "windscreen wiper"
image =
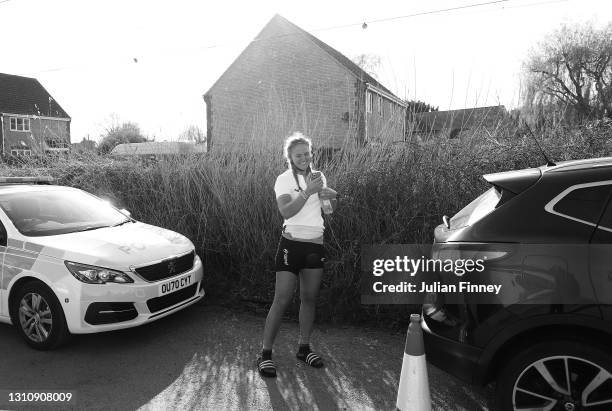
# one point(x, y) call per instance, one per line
point(93, 228)
point(121, 223)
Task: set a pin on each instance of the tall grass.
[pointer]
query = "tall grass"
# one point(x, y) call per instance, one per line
point(224, 202)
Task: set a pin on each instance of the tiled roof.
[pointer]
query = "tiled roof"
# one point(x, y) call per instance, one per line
point(158, 147)
point(286, 26)
point(341, 58)
point(460, 119)
point(25, 95)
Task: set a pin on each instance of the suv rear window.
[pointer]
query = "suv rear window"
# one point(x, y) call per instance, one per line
point(477, 209)
point(585, 204)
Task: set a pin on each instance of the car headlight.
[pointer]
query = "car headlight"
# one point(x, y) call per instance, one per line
point(96, 275)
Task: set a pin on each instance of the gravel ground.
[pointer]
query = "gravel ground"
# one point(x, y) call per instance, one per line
point(203, 358)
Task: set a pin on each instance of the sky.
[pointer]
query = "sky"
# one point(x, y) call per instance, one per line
point(150, 62)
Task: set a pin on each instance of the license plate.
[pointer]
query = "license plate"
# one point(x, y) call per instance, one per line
point(173, 285)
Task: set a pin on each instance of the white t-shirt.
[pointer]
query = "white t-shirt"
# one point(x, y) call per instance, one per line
point(308, 222)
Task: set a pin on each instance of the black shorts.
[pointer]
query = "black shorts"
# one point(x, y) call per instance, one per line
point(294, 255)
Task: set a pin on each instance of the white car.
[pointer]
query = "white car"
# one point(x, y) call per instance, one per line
point(73, 264)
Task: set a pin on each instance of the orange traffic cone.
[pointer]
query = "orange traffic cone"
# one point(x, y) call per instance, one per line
point(413, 392)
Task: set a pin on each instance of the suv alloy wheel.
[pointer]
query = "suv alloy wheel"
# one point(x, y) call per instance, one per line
point(556, 375)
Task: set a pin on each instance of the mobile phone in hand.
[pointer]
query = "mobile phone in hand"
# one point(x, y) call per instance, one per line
point(315, 174)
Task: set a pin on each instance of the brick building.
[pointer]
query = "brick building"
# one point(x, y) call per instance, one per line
point(31, 121)
point(288, 80)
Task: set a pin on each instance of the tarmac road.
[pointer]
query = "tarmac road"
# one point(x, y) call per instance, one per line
point(203, 358)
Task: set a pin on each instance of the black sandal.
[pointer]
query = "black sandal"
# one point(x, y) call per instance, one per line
point(310, 358)
point(266, 368)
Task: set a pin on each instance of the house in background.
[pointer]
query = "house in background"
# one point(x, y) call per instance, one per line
point(288, 80)
point(86, 146)
point(452, 123)
point(157, 148)
point(31, 121)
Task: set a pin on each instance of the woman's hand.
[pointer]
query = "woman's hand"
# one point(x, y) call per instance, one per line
point(327, 193)
point(314, 186)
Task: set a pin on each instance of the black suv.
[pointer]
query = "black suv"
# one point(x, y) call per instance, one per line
point(546, 340)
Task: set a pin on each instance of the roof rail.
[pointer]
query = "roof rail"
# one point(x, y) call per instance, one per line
point(27, 180)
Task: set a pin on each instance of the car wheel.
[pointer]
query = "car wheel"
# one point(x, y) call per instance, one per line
point(556, 375)
point(38, 316)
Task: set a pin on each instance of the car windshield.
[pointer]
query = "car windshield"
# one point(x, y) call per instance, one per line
point(60, 211)
point(477, 209)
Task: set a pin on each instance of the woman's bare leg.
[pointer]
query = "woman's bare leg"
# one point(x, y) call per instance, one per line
point(283, 293)
point(310, 282)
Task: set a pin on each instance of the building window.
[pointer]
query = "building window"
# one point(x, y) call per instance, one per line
point(380, 103)
point(369, 101)
point(56, 143)
point(21, 152)
point(20, 124)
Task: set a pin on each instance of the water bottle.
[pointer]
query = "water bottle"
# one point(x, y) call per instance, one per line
point(326, 205)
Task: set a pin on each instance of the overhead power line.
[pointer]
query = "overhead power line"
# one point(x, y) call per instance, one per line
point(535, 4)
point(422, 13)
point(363, 24)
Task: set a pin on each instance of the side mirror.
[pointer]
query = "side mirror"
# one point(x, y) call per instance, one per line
point(125, 212)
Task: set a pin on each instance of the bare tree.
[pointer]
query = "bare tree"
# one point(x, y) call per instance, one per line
point(573, 68)
point(370, 63)
point(193, 133)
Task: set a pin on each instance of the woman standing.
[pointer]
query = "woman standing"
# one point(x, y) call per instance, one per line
point(300, 254)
